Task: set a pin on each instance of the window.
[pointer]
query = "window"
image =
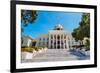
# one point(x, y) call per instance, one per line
point(58, 42)
point(58, 37)
point(65, 37)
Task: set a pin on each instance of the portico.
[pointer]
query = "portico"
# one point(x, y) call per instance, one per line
point(57, 38)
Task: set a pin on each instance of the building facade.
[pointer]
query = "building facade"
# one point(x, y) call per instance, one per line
point(57, 38)
point(26, 41)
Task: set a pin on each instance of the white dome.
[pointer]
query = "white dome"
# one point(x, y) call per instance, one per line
point(58, 27)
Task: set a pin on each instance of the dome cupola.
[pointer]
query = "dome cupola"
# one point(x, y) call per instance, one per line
point(58, 27)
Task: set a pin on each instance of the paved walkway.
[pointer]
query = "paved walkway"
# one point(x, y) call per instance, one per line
point(53, 55)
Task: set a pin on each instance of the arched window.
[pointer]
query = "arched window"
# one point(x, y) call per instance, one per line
point(51, 36)
point(64, 36)
point(58, 37)
point(58, 42)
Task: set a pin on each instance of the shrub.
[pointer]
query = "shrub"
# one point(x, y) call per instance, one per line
point(27, 50)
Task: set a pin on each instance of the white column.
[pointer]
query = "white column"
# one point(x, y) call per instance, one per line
point(53, 41)
point(63, 42)
point(67, 43)
point(49, 41)
point(60, 41)
point(56, 41)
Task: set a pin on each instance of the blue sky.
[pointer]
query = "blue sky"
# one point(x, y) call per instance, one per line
point(46, 20)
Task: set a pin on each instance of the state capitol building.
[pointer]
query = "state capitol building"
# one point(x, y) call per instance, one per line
point(56, 38)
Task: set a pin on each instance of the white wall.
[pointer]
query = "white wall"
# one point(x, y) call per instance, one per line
point(5, 37)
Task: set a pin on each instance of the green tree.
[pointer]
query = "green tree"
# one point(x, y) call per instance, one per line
point(77, 34)
point(84, 28)
point(85, 25)
point(27, 17)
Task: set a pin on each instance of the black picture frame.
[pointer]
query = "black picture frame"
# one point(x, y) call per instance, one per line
point(13, 36)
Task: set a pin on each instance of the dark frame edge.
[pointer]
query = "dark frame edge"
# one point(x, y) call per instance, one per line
point(56, 68)
point(55, 4)
point(12, 36)
point(95, 35)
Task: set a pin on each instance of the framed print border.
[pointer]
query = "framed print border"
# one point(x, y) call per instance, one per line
point(13, 36)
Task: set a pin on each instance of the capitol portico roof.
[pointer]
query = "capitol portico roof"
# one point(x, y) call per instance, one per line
point(58, 27)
